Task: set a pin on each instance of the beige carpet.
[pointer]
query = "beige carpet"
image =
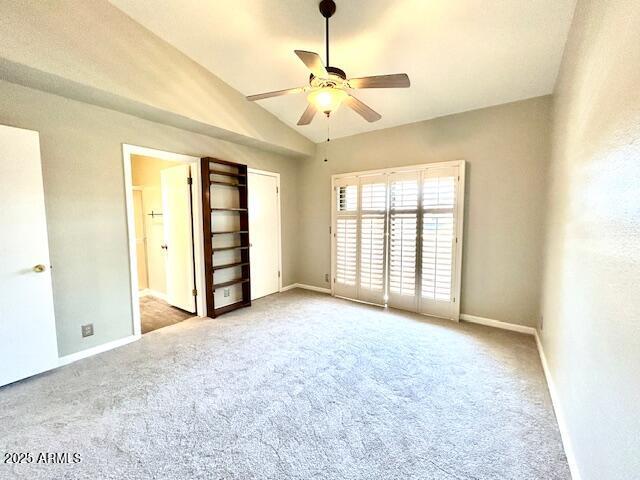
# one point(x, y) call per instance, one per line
point(156, 313)
point(298, 386)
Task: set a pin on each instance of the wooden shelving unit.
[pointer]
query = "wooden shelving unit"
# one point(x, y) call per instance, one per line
point(226, 220)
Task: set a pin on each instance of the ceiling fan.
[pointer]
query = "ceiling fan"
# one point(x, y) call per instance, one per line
point(329, 86)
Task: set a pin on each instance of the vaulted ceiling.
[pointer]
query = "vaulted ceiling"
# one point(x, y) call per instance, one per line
point(460, 55)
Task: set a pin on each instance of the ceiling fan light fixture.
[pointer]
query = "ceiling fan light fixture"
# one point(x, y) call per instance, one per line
point(327, 99)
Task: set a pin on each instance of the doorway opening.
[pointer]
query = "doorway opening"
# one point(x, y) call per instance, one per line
point(165, 237)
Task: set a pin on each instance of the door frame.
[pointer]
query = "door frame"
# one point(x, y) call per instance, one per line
point(198, 240)
point(279, 220)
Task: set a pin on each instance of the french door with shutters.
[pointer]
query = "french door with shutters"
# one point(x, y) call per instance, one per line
point(396, 237)
point(345, 230)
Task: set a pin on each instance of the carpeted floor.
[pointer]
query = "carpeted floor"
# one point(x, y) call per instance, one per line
point(299, 386)
point(156, 313)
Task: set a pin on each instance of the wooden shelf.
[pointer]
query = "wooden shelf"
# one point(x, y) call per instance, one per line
point(228, 232)
point(235, 176)
point(223, 249)
point(229, 283)
point(226, 174)
point(229, 308)
point(229, 265)
point(228, 184)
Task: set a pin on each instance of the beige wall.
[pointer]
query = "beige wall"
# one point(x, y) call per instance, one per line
point(81, 149)
point(506, 149)
point(91, 51)
point(591, 330)
point(145, 173)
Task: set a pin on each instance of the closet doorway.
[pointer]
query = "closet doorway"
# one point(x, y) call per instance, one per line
point(165, 237)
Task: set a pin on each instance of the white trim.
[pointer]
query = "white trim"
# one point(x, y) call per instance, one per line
point(277, 177)
point(364, 302)
point(457, 288)
point(89, 352)
point(147, 292)
point(489, 322)
point(559, 411)
point(306, 287)
point(407, 168)
point(313, 288)
point(127, 151)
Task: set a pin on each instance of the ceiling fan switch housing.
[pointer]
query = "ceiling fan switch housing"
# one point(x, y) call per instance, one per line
point(327, 8)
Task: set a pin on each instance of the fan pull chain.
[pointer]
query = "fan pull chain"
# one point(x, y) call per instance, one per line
point(326, 149)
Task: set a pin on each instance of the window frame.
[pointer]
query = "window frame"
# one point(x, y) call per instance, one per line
point(354, 177)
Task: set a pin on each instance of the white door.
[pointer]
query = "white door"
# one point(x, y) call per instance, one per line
point(264, 234)
point(178, 236)
point(27, 326)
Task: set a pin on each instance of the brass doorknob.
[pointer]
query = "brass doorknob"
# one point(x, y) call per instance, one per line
point(39, 268)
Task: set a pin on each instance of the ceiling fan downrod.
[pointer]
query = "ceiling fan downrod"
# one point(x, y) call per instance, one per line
point(327, 9)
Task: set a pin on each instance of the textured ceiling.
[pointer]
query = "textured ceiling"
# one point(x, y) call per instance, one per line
point(460, 55)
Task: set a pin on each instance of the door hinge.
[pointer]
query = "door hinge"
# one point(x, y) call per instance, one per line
point(277, 190)
point(278, 273)
point(329, 230)
point(189, 180)
point(194, 292)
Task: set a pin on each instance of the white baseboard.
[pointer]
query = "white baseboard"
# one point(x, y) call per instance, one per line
point(559, 411)
point(313, 288)
point(89, 352)
point(147, 292)
point(489, 322)
point(305, 287)
point(553, 393)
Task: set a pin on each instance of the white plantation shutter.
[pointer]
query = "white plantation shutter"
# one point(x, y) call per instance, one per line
point(346, 237)
point(395, 238)
point(373, 206)
point(346, 251)
point(439, 191)
point(347, 198)
point(403, 235)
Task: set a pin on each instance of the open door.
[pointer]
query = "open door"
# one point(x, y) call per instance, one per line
point(27, 327)
point(264, 234)
point(175, 183)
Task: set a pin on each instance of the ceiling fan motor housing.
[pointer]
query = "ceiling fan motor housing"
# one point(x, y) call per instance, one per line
point(336, 76)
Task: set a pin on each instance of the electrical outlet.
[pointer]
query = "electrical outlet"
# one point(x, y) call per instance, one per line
point(326, 277)
point(226, 292)
point(87, 330)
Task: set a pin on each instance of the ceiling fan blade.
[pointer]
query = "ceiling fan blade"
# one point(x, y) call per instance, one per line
point(308, 115)
point(397, 80)
point(363, 110)
point(277, 93)
point(313, 63)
